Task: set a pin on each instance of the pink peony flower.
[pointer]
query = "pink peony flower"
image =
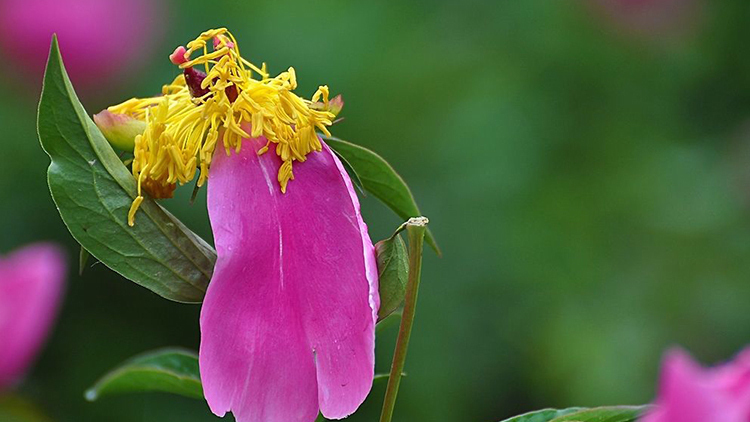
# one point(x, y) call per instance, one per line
point(31, 286)
point(288, 322)
point(690, 393)
point(100, 39)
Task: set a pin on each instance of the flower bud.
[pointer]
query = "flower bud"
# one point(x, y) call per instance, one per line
point(336, 104)
point(119, 129)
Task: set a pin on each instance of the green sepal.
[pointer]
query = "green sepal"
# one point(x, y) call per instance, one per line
point(393, 273)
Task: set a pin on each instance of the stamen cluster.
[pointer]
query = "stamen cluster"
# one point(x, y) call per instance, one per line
point(185, 123)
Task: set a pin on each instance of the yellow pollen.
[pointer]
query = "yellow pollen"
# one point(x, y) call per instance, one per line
point(182, 132)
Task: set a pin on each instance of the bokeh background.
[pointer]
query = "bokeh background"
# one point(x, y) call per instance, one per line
point(585, 165)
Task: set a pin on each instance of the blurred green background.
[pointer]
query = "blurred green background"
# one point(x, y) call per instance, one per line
point(585, 166)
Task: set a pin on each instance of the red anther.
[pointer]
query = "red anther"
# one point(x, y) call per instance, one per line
point(231, 92)
point(193, 79)
point(178, 56)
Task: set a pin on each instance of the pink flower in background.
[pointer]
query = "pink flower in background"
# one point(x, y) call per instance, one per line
point(100, 39)
point(31, 286)
point(690, 393)
point(288, 322)
point(652, 18)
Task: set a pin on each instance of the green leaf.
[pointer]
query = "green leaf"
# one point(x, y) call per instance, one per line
point(391, 320)
point(380, 179)
point(605, 414)
point(579, 414)
point(351, 172)
point(393, 272)
point(93, 191)
point(545, 415)
point(167, 370)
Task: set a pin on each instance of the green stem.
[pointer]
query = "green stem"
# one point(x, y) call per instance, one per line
point(415, 229)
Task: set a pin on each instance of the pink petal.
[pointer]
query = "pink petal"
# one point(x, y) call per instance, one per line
point(689, 393)
point(31, 283)
point(288, 320)
point(253, 357)
point(734, 377)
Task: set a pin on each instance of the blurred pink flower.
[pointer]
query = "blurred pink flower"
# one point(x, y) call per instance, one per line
point(288, 322)
point(690, 393)
point(652, 18)
point(99, 39)
point(31, 286)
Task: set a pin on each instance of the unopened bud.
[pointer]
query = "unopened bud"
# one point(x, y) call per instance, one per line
point(336, 104)
point(119, 129)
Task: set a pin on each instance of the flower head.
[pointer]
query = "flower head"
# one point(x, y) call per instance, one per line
point(31, 284)
point(690, 393)
point(288, 321)
point(229, 100)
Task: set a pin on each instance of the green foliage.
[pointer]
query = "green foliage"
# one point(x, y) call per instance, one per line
point(393, 272)
point(604, 414)
point(93, 191)
point(17, 409)
point(165, 370)
point(353, 175)
point(380, 179)
point(578, 414)
point(544, 415)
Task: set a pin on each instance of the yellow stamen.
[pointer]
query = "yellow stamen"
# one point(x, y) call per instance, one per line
point(182, 132)
point(133, 208)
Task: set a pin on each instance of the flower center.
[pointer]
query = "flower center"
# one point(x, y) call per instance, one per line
point(231, 98)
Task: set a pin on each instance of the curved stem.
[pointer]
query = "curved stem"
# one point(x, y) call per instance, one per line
point(415, 229)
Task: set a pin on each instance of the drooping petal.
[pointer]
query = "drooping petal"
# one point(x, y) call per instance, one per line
point(254, 359)
point(288, 320)
point(31, 284)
